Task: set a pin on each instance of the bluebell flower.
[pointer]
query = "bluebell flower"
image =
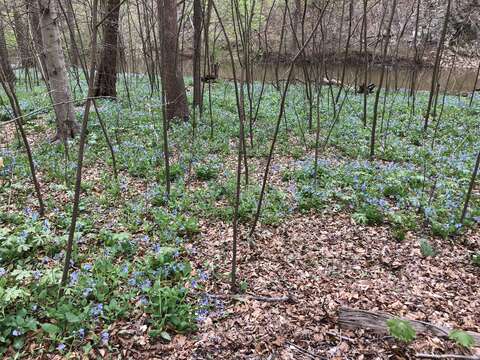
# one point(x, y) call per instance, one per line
point(194, 283)
point(46, 226)
point(37, 274)
point(203, 276)
point(34, 307)
point(87, 267)
point(73, 278)
point(204, 301)
point(105, 337)
point(16, 332)
point(157, 248)
point(87, 292)
point(201, 315)
point(61, 347)
point(143, 301)
point(147, 284)
point(35, 216)
point(146, 239)
point(2, 271)
point(125, 269)
point(97, 310)
point(81, 333)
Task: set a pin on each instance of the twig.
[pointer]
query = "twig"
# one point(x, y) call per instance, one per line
point(341, 337)
point(303, 351)
point(251, 297)
point(447, 356)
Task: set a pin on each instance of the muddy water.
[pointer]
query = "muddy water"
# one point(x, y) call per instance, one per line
point(455, 81)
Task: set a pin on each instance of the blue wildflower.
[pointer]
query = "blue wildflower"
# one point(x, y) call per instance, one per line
point(46, 226)
point(147, 284)
point(87, 292)
point(157, 248)
point(87, 267)
point(201, 315)
point(74, 277)
point(105, 337)
point(143, 301)
point(61, 347)
point(16, 332)
point(97, 310)
point(203, 276)
point(132, 282)
point(2, 271)
point(194, 283)
point(81, 333)
point(37, 274)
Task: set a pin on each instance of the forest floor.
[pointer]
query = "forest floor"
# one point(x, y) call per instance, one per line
point(354, 240)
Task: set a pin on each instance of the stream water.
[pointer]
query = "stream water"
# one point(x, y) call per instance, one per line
point(454, 81)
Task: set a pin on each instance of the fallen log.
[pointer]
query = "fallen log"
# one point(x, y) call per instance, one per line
point(447, 356)
point(377, 322)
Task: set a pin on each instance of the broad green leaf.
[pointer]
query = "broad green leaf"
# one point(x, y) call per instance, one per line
point(401, 330)
point(72, 318)
point(462, 338)
point(51, 329)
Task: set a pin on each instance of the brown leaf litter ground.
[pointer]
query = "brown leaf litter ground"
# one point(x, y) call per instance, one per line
point(324, 262)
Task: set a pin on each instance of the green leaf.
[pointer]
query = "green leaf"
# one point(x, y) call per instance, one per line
point(166, 336)
point(72, 318)
point(18, 343)
point(51, 329)
point(462, 338)
point(401, 330)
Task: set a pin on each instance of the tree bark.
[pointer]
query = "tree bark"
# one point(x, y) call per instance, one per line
point(105, 84)
point(197, 54)
point(5, 65)
point(26, 56)
point(67, 125)
point(74, 54)
point(172, 77)
point(36, 36)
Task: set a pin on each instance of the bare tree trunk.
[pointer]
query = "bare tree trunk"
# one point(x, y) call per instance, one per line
point(5, 65)
point(69, 18)
point(197, 53)
point(36, 36)
point(105, 84)
point(175, 96)
point(382, 76)
point(67, 125)
point(297, 11)
point(436, 69)
point(470, 189)
point(20, 28)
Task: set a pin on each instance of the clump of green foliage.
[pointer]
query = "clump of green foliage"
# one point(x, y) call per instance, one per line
point(462, 338)
point(401, 330)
